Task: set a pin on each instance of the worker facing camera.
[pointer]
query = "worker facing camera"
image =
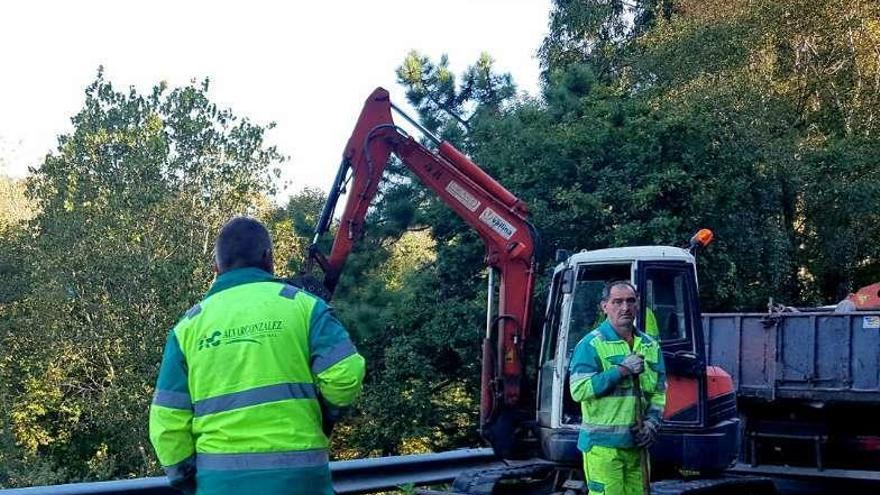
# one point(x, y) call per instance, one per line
point(618, 376)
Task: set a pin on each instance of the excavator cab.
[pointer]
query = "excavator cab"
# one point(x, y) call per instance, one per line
point(700, 428)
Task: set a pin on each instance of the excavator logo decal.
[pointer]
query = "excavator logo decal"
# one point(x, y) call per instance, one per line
point(497, 223)
point(463, 197)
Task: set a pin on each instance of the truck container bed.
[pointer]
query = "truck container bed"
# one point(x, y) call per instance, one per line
point(820, 356)
point(808, 387)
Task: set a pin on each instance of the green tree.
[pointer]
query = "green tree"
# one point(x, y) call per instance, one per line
point(15, 209)
point(760, 93)
point(445, 106)
point(296, 222)
point(127, 207)
point(598, 31)
point(786, 91)
point(14, 206)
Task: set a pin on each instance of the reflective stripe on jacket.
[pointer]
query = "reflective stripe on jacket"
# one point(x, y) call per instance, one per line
point(608, 403)
point(240, 381)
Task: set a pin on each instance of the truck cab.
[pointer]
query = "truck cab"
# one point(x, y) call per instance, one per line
point(700, 428)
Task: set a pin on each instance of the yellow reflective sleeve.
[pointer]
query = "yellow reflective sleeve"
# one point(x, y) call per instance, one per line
point(341, 383)
point(171, 434)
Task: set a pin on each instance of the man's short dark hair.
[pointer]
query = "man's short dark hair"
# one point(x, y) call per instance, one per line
point(242, 242)
point(606, 291)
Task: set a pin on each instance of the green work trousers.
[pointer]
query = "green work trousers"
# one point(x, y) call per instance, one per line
point(611, 471)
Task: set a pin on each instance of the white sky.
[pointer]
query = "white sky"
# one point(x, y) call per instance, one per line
point(308, 66)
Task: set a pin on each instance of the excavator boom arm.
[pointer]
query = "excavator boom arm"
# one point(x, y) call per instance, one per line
point(491, 210)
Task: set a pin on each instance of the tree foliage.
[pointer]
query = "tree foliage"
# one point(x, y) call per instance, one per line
point(445, 106)
point(14, 205)
point(126, 210)
point(788, 92)
point(756, 118)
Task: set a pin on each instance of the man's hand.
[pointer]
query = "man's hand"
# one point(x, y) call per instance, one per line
point(647, 434)
point(185, 483)
point(330, 415)
point(632, 365)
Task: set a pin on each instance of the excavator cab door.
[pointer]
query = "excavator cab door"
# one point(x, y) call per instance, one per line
point(548, 372)
point(670, 313)
point(700, 431)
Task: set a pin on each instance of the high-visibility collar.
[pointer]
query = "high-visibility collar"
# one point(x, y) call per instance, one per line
point(240, 276)
point(610, 335)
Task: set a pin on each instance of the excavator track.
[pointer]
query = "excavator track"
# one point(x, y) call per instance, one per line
point(530, 478)
point(728, 485)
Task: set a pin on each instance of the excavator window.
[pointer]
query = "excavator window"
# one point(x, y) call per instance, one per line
point(585, 312)
point(666, 304)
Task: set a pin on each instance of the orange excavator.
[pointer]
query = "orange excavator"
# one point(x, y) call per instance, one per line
point(536, 429)
point(867, 298)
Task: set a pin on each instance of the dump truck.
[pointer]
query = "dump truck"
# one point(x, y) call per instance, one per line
point(808, 388)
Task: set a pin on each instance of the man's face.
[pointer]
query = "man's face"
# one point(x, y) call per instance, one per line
point(621, 307)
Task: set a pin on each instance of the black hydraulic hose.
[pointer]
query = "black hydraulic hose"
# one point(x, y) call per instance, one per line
point(416, 124)
point(339, 181)
point(330, 206)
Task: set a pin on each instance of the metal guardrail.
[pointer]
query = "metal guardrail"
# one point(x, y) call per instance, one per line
point(387, 473)
point(349, 477)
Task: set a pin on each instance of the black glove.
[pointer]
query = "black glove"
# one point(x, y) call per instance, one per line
point(184, 478)
point(188, 486)
point(330, 415)
point(647, 434)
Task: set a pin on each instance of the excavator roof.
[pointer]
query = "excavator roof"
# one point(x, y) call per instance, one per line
point(633, 253)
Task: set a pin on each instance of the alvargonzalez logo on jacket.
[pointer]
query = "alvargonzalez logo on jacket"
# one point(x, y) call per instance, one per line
point(252, 333)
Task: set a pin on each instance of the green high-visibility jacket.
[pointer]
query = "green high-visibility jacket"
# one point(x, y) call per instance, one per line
point(236, 407)
point(608, 403)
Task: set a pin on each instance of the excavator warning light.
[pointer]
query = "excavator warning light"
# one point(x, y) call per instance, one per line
point(702, 238)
